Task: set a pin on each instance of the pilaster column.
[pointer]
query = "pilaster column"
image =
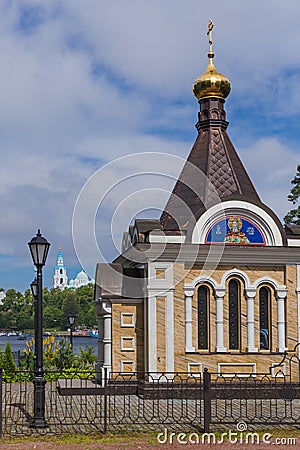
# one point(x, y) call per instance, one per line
point(160, 285)
point(100, 359)
point(298, 301)
point(152, 346)
point(281, 296)
point(106, 306)
point(250, 294)
point(100, 341)
point(220, 320)
point(170, 332)
point(103, 311)
point(189, 321)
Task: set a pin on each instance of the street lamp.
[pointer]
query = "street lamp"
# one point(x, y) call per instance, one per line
point(33, 287)
point(71, 318)
point(39, 247)
point(55, 322)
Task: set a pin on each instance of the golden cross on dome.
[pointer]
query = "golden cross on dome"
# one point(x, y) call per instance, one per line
point(209, 33)
point(210, 26)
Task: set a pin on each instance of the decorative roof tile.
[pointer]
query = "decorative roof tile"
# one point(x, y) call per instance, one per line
point(214, 154)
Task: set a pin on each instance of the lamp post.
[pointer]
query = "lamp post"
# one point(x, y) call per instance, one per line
point(71, 318)
point(39, 247)
point(55, 321)
point(33, 287)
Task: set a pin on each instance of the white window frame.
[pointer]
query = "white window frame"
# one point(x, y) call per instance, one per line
point(125, 348)
point(122, 367)
point(242, 374)
point(160, 273)
point(281, 368)
point(195, 374)
point(127, 325)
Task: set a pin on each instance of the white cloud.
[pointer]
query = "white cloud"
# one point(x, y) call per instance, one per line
point(271, 165)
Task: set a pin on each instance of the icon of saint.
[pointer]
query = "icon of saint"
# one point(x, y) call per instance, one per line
point(235, 235)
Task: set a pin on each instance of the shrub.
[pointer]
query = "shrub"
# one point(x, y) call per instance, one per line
point(63, 357)
point(86, 357)
point(8, 364)
point(7, 359)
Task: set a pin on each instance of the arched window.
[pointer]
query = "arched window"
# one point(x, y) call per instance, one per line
point(264, 318)
point(203, 318)
point(61, 271)
point(234, 314)
point(61, 281)
point(204, 114)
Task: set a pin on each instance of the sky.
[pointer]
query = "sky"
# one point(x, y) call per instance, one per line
point(83, 84)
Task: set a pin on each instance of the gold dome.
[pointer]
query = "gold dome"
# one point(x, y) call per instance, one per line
point(211, 83)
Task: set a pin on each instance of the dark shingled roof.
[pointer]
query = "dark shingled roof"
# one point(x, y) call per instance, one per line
point(116, 281)
point(292, 230)
point(146, 225)
point(214, 154)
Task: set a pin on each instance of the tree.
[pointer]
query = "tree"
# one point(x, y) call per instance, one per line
point(85, 295)
point(53, 317)
point(17, 310)
point(13, 300)
point(7, 360)
point(70, 305)
point(293, 216)
point(24, 319)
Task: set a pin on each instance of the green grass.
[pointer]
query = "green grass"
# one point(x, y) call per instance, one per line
point(132, 438)
point(126, 437)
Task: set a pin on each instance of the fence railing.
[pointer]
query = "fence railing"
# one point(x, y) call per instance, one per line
point(259, 399)
point(18, 357)
point(76, 403)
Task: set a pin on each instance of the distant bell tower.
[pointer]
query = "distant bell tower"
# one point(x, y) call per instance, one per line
point(60, 272)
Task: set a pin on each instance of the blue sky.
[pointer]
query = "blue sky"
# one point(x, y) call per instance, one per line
point(84, 83)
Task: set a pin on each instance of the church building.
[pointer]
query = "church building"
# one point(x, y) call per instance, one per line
point(60, 279)
point(215, 282)
point(60, 272)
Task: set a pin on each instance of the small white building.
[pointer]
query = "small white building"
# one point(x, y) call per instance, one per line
point(2, 297)
point(61, 278)
point(60, 272)
point(81, 280)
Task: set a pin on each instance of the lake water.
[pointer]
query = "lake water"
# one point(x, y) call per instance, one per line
point(78, 341)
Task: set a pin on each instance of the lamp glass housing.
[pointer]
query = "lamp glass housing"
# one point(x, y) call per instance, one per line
point(33, 287)
point(39, 247)
point(71, 318)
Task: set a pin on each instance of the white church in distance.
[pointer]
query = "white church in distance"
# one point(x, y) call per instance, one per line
point(61, 277)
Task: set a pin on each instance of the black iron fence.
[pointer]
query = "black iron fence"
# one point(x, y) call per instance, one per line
point(180, 402)
point(18, 357)
point(259, 399)
point(135, 402)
